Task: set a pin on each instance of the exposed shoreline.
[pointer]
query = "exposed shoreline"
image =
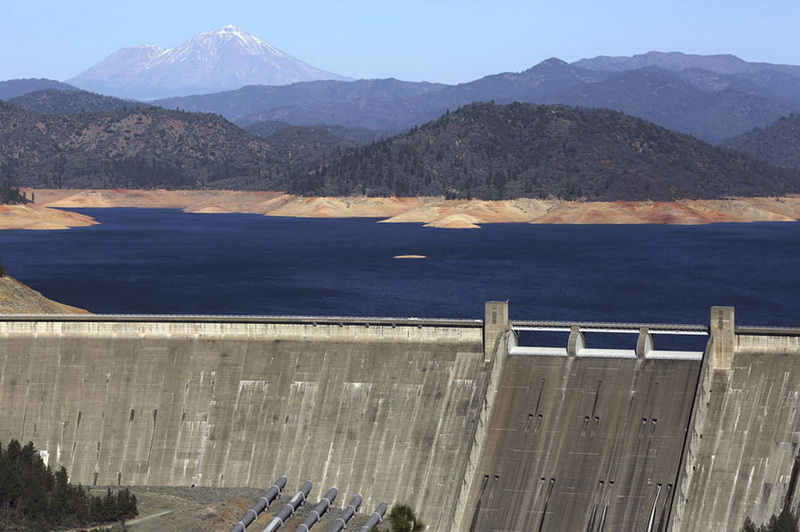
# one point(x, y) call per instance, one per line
point(429, 211)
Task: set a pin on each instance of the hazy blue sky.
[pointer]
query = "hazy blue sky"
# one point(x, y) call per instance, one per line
point(437, 40)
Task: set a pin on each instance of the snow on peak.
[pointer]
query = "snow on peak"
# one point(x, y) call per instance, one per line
point(207, 62)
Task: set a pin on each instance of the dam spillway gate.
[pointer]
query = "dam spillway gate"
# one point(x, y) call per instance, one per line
point(461, 419)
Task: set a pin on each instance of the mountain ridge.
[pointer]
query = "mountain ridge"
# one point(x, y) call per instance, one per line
point(712, 106)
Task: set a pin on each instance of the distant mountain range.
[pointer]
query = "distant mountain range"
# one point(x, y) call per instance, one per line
point(677, 61)
point(57, 135)
point(208, 62)
point(671, 90)
point(17, 87)
point(714, 98)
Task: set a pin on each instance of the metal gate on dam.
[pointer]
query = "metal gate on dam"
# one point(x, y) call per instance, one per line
point(480, 425)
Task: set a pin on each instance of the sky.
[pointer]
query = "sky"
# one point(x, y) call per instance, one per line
point(444, 41)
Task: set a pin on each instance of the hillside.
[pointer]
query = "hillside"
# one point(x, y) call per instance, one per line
point(680, 102)
point(135, 148)
point(489, 151)
point(778, 144)
point(301, 146)
point(16, 298)
point(55, 101)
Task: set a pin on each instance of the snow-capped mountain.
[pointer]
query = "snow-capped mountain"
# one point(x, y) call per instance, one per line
point(208, 62)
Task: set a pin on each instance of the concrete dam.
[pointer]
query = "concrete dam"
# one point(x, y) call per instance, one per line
point(480, 425)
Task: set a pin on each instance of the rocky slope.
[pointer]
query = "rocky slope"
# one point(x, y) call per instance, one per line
point(16, 298)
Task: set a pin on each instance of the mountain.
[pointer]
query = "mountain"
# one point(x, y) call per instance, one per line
point(667, 99)
point(709, 105)
point(53, 101)
point(308, 103)
point(677, 61)
point(208, 62)
point(490, 151)
point(13, 88)
point(135, 148)
point(777, 144)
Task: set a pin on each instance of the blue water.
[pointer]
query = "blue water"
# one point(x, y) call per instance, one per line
point(165, 261)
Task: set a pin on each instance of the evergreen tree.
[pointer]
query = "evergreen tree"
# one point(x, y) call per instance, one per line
point(783, 522)
point(403, 519)
point(32, 497)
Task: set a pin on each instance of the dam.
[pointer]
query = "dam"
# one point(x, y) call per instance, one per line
point(470, 422)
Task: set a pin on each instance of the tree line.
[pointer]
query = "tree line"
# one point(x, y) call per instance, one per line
point(10, 195)
point(33, 497)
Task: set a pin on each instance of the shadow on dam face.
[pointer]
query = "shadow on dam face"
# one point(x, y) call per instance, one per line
point(584, 444)
point(452, 417)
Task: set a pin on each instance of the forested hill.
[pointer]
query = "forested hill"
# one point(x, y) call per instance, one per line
point(777, 144)
point(133, 148)
point(490, 151)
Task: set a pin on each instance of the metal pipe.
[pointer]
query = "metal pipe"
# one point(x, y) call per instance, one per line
point(261, 504)
point(375, 518)
point(287, 511)
point(348, 513)
point(319, 510)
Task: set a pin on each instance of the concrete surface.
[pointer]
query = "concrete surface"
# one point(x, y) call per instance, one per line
point(437, 414)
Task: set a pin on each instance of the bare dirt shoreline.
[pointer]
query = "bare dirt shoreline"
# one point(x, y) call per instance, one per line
point(430, 211)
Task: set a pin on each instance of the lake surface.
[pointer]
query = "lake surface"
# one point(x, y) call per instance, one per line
point(161, 261)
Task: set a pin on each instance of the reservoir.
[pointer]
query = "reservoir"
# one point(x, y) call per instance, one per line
point(162, 261)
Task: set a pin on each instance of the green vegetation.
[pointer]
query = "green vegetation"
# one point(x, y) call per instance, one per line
point(494, 152)
point(402, 518)
point(11, 195)
point(132, 148)
point(33, 498)
point(784, 522)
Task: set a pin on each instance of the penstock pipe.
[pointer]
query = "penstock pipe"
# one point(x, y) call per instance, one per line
point(261, 504)
point(319, 510)
point(348, 513)
point(375, 518)
point(287, 511)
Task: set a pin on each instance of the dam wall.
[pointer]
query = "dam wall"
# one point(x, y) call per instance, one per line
point(467, 421)
point(583, 439)
point(742, 456)
point(386, 409)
